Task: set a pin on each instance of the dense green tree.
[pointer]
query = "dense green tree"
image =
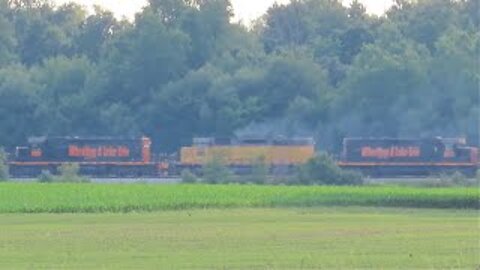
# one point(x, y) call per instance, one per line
point(208, 28)
point(292, 76)
point(94, 32)
point(471, 11)
point(142, 58)
point(8, 40)
point(302, 21)
point(181, 109)
point(385, 84)
point(62, 110)
point(18, 103)
point(182, 68)
point(455, 80)
point(44, 32)
point(424, 21)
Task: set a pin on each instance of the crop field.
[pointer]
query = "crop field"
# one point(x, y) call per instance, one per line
point(93, 198)
point(112, 226)
point(246, 238)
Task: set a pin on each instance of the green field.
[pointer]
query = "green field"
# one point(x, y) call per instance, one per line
point(292, 238)
point(84, 226)
point(92, 198)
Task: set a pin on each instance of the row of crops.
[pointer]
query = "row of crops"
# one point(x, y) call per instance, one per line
point(90, 198)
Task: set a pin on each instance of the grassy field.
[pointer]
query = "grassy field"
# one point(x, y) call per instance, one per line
point(84, 226)
point(288, 238)
point(93, 198)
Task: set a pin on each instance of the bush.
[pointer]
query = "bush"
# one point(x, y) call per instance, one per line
point(323, 170)
point(456, 179)
point(3, 166)
point(46, 177)
point(216, 172)
point(68, 174)
point(259, 173)
point(188, 177)
point(459, 179)
point(352, 178)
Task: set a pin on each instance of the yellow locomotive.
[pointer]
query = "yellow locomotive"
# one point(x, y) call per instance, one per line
point(242, 153)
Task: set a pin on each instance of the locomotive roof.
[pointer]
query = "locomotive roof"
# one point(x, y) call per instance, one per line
point(42, 139)
point(252, 140)
point(459, 140)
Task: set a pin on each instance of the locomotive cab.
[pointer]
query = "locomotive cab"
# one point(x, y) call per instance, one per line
point(22, 153)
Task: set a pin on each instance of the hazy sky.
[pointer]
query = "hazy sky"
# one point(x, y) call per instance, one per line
point(245, 10)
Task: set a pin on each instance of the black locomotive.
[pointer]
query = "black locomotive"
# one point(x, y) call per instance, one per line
point(409, 157)
point(99, 156)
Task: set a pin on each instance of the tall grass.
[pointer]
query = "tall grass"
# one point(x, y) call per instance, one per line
point(90, 198)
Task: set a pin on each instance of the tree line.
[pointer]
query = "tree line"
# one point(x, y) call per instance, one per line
point(182, 68)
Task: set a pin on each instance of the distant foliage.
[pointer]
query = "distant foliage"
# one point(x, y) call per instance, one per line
point(215, 171)
point(68, 173)
point(457, 179)
point(188, 177)
point(322, 170)
point(260, 172)
point(46, 177)
point(4, 175)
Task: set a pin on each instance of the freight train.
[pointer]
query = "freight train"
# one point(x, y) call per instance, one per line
point(132, 157)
